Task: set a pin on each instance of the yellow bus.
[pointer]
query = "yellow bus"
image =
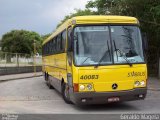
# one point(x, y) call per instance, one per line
point(96, 60)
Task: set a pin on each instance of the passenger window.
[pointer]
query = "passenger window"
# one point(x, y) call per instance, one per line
point(47, 48)
point(55, 45)
point(63, 42)
point(50, 47)
point(69, 46)
point(59, 43)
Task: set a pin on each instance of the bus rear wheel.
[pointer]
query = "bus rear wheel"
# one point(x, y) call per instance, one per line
point(48, 82)
point(45, 76)
point(65, 93)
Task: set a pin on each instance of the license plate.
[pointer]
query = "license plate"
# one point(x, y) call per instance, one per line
point(113, 99)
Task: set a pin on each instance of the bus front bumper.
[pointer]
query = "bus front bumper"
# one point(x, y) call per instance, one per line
point(83, 98)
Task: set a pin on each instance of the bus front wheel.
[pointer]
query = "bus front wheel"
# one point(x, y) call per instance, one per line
point(65, 93)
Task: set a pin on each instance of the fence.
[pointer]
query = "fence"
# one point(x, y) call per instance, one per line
point(12, 63)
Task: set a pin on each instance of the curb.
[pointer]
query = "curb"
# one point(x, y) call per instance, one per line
point(19, 78)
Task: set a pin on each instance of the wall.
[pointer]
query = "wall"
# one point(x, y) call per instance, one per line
point(17, 70)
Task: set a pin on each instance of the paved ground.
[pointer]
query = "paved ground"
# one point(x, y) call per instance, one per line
point(31, 95)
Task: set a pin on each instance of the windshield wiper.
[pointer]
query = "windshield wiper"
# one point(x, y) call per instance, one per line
point(118, 50)
point(85, 60)
point(130, 64)
point(99, 62)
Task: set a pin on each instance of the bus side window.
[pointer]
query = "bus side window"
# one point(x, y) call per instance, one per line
point(55, 45)
point(47, 50)
point(52, 45)
point(59, 43)
point(63, 41)
point(69, 46)
point(42, 50)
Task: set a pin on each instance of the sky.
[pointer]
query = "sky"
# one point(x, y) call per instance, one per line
point(41, 16)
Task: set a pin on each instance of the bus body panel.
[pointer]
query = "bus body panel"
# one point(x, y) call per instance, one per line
point(123, 75)
point(56, 66)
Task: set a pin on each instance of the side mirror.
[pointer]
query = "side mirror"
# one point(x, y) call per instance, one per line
point(145, 42)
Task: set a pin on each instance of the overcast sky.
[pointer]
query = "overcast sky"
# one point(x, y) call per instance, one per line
point(40, 16)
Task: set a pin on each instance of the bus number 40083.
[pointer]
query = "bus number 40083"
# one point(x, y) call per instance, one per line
point(85, 77)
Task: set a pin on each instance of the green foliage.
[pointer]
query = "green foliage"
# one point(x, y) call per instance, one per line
point(102, 6)
point(21, 41)
point(45, 36)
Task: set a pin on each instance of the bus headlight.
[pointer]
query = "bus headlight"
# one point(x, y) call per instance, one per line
point(142, 83)
point(81, 87)
point(137, 83)
point(89, 87)
point(86, 87)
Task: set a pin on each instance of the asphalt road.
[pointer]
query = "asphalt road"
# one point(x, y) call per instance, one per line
point(32, 96)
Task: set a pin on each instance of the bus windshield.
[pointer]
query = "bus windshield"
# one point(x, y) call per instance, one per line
point(105, 45)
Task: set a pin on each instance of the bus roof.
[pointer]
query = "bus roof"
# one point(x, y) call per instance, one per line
point(98, 19)
point(94, 19)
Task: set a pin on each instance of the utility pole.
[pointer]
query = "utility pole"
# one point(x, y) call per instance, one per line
point(34, 57)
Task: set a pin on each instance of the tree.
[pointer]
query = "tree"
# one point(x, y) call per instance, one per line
point(45, 36)
point(21, 41)
point(103, 6)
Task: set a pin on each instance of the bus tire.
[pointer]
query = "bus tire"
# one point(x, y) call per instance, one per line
point(45, 76)
point(65, 93)
point(49, 82)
